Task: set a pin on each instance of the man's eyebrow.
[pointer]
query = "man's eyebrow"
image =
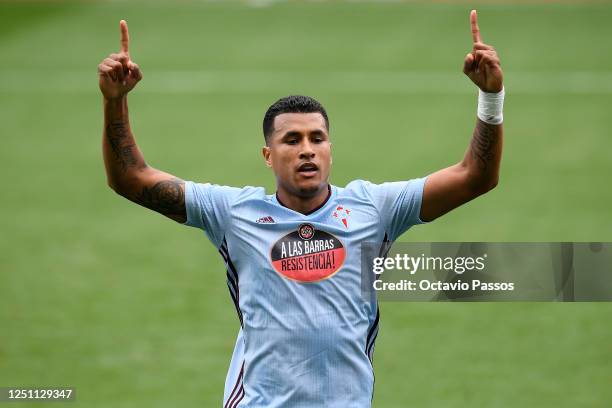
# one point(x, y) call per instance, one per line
point(292, 133)
point(295, 133)
point(318, 132)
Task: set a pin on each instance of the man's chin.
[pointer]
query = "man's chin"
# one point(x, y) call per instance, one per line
point(308, 190)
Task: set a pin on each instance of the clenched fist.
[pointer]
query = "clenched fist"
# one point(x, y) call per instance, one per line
point(482, 65)
point(117, 74)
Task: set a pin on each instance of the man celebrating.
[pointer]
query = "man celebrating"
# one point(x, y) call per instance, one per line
point(293, 258)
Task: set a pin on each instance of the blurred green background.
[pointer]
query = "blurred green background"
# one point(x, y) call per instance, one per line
point(132, 309)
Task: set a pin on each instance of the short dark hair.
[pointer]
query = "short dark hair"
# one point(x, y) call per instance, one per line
point(291, 104)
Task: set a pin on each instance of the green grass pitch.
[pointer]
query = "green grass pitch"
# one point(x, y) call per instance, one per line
point(132, 309)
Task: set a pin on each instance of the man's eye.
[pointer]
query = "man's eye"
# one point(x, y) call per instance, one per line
point(318, 140)
point(292, 141)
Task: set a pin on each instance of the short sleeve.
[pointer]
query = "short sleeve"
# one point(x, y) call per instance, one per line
point(399, 204)
point(208, 208)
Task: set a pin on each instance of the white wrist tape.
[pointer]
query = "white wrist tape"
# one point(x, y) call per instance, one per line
point(491, 106)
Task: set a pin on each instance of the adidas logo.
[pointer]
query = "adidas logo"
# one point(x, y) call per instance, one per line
point(265, 220)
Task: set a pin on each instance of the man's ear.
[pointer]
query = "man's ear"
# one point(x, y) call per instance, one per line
point(267, 155)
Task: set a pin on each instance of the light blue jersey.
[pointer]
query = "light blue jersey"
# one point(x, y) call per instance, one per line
point(306, 334)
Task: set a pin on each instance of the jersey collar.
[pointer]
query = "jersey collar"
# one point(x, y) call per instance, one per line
point(314, 210)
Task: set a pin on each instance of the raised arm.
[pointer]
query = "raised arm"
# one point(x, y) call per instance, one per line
point(126, 170)
point(478, 172)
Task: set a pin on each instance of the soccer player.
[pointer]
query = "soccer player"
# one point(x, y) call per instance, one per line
point(293, 258)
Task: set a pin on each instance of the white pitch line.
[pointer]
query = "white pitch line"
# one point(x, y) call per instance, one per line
point(351, 82)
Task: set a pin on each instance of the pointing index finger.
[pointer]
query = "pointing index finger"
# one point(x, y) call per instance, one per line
point(125, 37)
point(474, 23)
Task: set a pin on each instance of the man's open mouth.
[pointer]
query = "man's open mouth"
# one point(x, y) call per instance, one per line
point(308, 169)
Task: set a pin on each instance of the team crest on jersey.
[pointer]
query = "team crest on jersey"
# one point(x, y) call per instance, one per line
point(342, 214)
point(307, 254)
point(306, 231)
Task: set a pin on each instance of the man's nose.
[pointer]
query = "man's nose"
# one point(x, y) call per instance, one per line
point(307, 152)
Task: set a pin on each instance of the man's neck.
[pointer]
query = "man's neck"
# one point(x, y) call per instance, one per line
point(303, 205)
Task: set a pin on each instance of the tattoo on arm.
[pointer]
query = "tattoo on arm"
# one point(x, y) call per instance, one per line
point(167, 197)
point(121, 144)
point(483, 143)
